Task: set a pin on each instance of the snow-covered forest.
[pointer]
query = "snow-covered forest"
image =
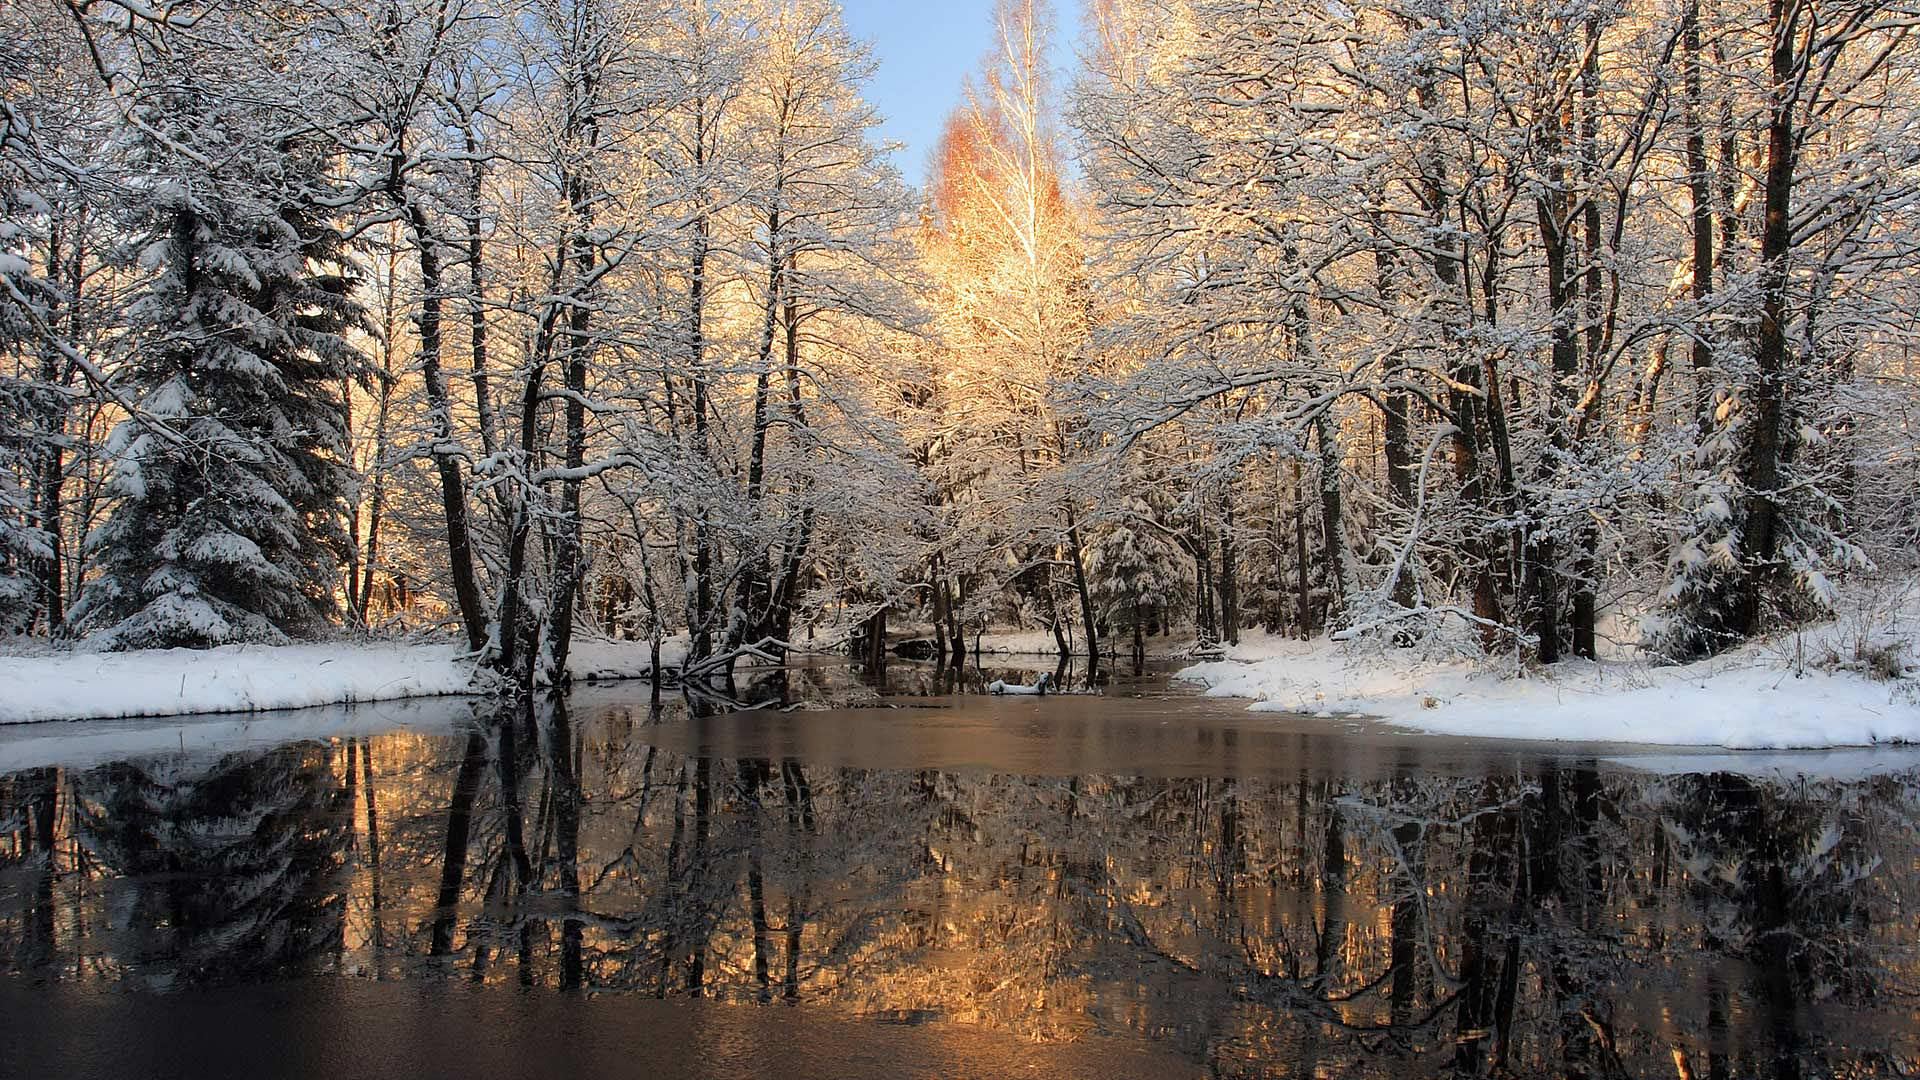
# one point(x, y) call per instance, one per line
point(1537, 330)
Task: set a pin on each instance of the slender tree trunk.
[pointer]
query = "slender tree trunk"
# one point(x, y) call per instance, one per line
point(48, 496)
point(1584, 613)
point(445, 451)
point(1229, 583)
point(518, 632)
point(1760, 529)
point(1086, 594)
point(569, 564)
point(1333, 550)
point(1302, 582)
point(45, 459)
point(1204, 626)
point(570, 560)
point(477, 295)
point(754, 608)
point(1701, 220)
point(1455, 296)
point(798, 539)
point(701, 619)
point(1396, 409)
point(1540, 545)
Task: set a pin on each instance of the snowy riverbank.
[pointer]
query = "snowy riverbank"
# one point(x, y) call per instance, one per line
point(1769, 695)
point(252, 678)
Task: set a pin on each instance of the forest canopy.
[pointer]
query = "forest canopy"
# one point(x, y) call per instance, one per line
point(1537, 331)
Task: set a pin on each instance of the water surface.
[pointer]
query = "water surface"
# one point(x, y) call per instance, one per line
point(894, 878)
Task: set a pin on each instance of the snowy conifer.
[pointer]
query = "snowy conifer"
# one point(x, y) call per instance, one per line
point(232, 481)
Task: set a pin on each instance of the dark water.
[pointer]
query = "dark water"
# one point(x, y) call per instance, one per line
point(917, 883)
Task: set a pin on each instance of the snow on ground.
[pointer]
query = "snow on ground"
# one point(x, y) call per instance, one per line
point(250, 678)
point(1752, 698)
point(594, 661)
point(83, 744)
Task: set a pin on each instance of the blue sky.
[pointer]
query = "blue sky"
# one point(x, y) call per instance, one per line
point(926, 51)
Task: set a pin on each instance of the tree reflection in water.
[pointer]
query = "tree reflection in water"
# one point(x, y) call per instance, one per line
point(1553, 918)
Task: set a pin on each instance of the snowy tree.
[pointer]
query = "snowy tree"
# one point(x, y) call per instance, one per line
point(231, 476)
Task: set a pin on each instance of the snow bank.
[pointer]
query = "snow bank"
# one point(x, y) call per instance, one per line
point(596, 661)
point(1749, 699)
point(83, 744)
point(252, 678)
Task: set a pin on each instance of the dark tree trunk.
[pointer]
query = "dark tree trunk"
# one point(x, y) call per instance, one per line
point(477, 295)
point(1584, 605)
point(1701, 219)
point(1086, 594)
point(1760, 529)
point(1448, 259)
point(1302, 579)
point(754, 609)
point(1204, 626)
point(700, 620)
point(1333, 544)
point(1229, 581)
point(569, 564)
point(1540, 545)
point(445, 453)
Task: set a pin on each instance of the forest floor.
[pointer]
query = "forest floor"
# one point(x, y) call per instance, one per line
point(47, 684)
point(1850, 681)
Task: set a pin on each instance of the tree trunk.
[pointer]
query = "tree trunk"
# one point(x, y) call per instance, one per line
point(1229, 581)
point(1584, 613)
point(1396, 409)
point(799, 537)
point(1302, 581)
point(1086, 594)
point(1759, 531)
point(700, 619)
point(1701, 218)
point(476, 298)
point(1542, 573)
point(445, 452)
point(1333, 550)
point(569, 564)
point(1204, 626)
point(755, 605)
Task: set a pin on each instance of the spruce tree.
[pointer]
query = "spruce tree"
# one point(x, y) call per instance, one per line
point(233, 478)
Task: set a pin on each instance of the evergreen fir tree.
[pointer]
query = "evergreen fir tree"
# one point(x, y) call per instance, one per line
point(232, 481)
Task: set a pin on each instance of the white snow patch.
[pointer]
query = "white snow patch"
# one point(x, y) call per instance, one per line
point(83, 744)
point(1753, 698)
point(252, 678)
point(595, 661)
